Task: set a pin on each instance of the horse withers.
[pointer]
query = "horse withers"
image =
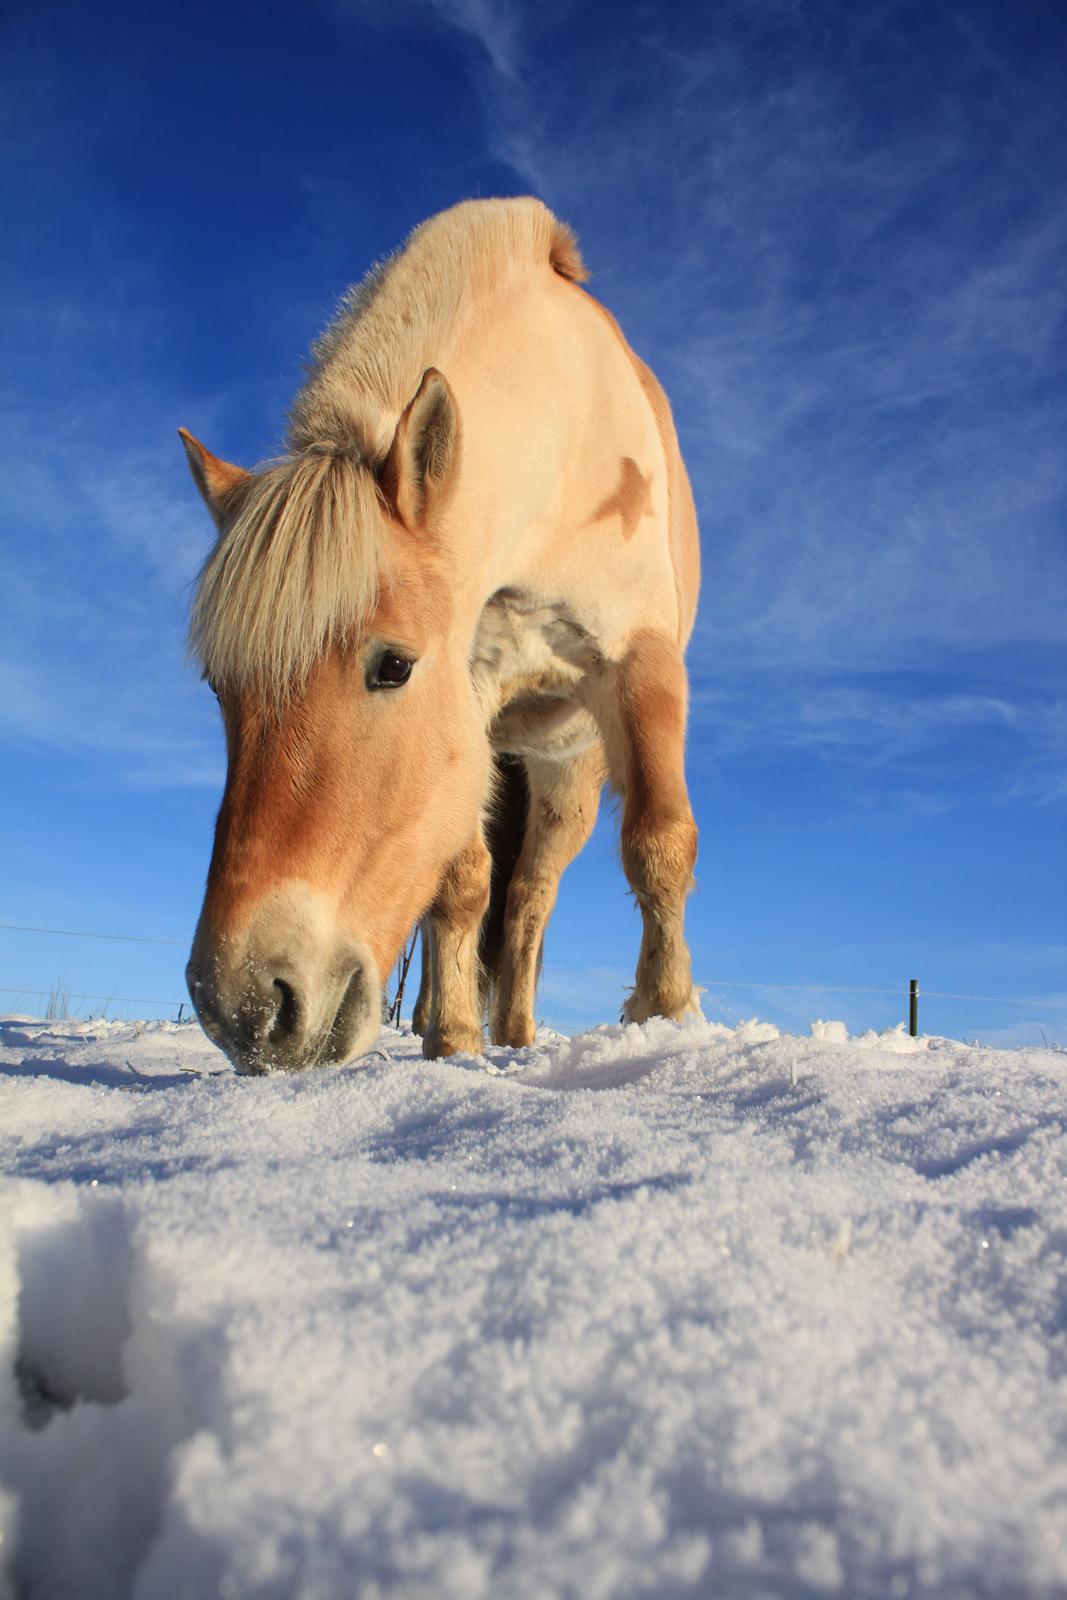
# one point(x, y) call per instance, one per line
point(471, 578)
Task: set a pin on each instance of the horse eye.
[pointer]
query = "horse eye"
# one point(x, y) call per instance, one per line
point(391, 672)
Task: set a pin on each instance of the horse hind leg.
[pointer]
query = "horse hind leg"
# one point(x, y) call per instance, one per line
point(505, 832)
point(564, 795)
point(641, 708)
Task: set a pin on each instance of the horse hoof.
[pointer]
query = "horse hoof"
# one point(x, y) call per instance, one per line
point(440, 1042)
point(639, 1008)
point(514, 1032)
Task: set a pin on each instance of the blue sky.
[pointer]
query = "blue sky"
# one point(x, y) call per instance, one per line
point(838, 231)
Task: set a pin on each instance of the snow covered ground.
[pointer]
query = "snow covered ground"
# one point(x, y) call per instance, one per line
point(659, 1311)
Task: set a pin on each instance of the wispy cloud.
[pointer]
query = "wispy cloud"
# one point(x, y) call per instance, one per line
point(860, 317)
point(858, 313)
point(495, 28)
point(879, 718)
point(575, 996)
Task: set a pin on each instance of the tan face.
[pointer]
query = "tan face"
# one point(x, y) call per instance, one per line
point(337, 821)
point(342, 810)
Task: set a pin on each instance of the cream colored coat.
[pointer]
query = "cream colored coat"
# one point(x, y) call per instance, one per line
point(484, 485)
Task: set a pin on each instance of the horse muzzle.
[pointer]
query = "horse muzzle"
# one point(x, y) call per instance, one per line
point(279, 998)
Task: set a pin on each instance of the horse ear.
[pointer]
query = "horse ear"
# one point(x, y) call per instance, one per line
point(424, 453)
point(214, 478)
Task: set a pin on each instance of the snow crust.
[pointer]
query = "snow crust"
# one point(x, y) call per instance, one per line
point(659, 1311)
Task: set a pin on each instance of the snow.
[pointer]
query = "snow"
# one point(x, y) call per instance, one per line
point(658, 1311)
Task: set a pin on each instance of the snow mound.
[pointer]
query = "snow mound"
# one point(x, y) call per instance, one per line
point(664, 1310)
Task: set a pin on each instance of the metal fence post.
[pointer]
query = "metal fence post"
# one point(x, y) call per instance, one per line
point(913, 1008)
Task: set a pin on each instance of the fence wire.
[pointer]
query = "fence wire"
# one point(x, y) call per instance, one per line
point(707, 984)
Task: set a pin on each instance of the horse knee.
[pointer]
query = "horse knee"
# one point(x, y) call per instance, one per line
point(463, 893)
point(659, 856)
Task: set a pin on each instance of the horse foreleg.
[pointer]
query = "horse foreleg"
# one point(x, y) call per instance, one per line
point(564, 797)
point(420, 1011)
point(455, 1017)
point(642, 710)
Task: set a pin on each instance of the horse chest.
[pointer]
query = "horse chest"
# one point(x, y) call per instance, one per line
point(527, 663)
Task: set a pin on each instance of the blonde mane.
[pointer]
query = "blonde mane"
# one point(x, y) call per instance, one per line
point(297, 563)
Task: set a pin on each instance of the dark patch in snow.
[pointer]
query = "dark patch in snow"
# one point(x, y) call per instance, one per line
point(527, 1206)
point(1004, 1220)
point(107, 1075)
point(948, 1165)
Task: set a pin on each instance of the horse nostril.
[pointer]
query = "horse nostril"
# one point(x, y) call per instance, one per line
point(287, 1017)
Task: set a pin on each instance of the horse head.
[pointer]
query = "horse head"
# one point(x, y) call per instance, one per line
point(357, 760)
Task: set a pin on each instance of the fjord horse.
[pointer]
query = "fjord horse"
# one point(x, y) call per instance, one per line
point(480, 547)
